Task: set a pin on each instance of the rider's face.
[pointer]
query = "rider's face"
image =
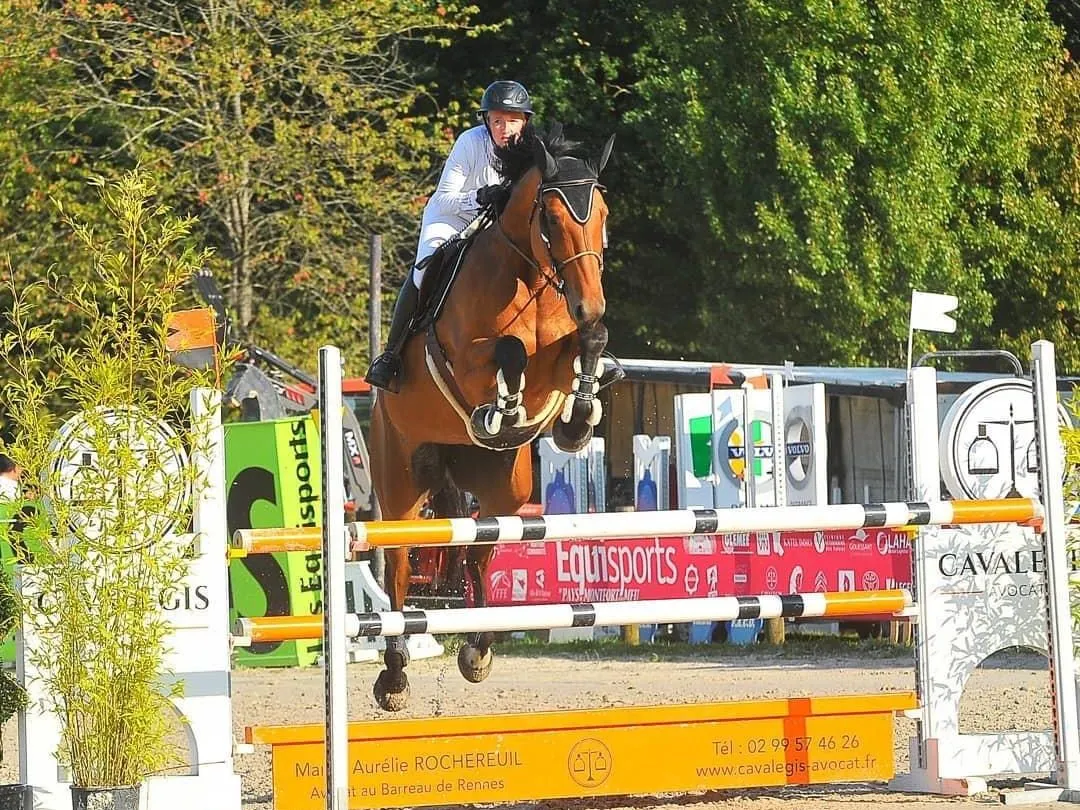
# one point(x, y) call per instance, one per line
point(505, 125)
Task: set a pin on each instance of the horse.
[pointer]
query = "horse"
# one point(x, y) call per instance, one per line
point(512, 347)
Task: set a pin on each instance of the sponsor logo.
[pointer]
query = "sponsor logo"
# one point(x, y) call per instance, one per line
point(519, 590)
point(589, 762)
point(821, 582)
point(772, 579)
point(691, 579)
point(620, 565)
point(891, 543)
point(845, 580)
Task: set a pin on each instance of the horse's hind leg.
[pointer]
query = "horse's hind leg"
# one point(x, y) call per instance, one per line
point(502, 483)
point(451, 502)
point(399, 499)
point(391, 688)
point(475, 656)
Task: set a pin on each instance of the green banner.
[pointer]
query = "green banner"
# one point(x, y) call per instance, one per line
point(13, 515)
point(273, 472)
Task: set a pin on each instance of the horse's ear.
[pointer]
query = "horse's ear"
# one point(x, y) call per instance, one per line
point(606, 153)
point(549, 167)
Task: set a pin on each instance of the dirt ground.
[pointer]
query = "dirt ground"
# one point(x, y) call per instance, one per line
point(1010, 692)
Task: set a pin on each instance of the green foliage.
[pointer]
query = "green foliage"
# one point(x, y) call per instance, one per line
point(1070, 439)
point(1037, 294)
point(851, 152)
point(796, 163)
point(293, 131)
point(803, 165)
point(103, 560)
point(43, 156)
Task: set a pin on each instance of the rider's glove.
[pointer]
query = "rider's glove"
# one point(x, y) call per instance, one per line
point(494, 195)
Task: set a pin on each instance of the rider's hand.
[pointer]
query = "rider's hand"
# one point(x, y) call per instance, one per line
point(494, 195)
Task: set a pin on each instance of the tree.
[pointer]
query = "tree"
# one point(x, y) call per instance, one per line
point(1037, 294)
point(846, 153)
point(293, 131)
point(786, 171)
point(43, 167)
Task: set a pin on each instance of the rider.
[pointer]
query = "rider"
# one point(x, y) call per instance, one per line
point(469, 182)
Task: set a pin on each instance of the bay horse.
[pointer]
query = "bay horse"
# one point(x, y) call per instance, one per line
point(513, 349)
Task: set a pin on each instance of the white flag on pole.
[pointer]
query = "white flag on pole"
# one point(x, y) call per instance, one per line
point(929, 311)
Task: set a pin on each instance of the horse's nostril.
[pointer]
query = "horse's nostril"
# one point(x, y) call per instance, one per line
point(588, 312)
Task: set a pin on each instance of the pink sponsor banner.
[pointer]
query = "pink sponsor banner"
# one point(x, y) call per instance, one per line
point(699, 565)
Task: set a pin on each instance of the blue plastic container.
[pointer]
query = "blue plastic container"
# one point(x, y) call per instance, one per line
point(701, 632)
point(744, 631)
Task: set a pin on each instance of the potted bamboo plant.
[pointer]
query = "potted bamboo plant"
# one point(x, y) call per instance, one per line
point(103, 432)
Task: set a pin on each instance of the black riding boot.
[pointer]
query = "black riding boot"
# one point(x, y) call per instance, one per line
point(386, 367)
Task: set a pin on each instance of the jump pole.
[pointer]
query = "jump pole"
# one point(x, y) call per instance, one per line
point(261, 629)
point(333, 552)
point(667, 523)
point(1059, 617)
point(601, 722)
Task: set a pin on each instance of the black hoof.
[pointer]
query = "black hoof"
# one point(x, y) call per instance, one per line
point(474, 666)
point(391, 693)
point(569, 437)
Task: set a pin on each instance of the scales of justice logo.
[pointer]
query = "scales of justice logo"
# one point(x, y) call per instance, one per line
point(988, 446)
point(589, 762)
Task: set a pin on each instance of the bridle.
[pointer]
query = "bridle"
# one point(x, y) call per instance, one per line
point(553, 274)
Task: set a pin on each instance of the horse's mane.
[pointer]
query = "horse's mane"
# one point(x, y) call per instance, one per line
point(516, 158)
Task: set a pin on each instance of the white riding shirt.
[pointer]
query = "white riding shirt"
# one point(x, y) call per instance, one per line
point(452, 206)
point(9, 489)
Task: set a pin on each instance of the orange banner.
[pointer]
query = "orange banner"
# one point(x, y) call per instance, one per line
point(623, 751)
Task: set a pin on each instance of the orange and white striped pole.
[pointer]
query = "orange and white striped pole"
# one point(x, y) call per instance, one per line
point(547, 617)
point(626, 525)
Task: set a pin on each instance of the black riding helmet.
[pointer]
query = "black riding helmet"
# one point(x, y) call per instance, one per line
point(506, 96)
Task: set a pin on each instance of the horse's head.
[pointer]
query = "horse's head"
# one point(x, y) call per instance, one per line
point(567, 221)
point(569, 226)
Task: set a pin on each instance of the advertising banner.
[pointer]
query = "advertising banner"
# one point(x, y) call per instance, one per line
point(273, 479)
point(699, 565)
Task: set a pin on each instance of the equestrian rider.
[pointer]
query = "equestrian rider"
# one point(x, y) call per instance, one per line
point(469, 182)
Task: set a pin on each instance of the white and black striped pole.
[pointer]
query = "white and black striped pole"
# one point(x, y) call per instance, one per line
point(1059, 614)
point(258, 629)
point(334, 548)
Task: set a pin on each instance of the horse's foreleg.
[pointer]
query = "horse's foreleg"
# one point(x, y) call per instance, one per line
point(475, 656)
point(507, 410)
point(581, 412)
point(392, 686)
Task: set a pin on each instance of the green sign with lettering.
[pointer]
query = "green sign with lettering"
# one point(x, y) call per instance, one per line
point(273, 472)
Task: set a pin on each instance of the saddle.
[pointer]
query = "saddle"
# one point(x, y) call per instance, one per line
point(440, 270)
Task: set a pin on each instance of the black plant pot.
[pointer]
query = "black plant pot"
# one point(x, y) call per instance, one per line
point(16, 797)
point(117, 798)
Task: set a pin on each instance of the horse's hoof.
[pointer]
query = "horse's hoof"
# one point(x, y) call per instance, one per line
point(568, 439)
point(392, 694)
point(474, 666)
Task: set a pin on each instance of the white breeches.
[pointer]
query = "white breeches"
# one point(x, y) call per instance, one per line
point(432, 235)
